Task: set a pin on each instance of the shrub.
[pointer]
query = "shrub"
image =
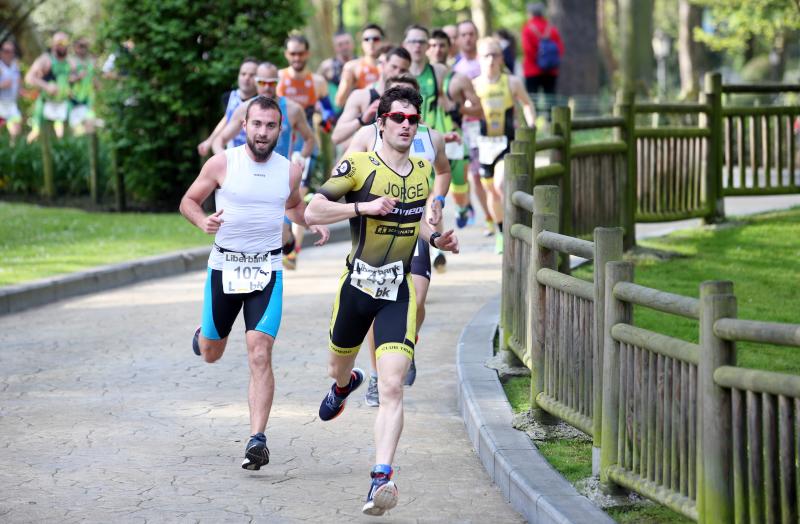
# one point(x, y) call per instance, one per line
point(186, 53)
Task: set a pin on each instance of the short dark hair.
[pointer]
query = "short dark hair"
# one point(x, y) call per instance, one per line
point(341, 32)
point(249, 60)
point(263, 102)
point(418, 28)
point(405, 78)
point(468, 21)
point(398, 93)
point(438, 34)
point(402, 52)
point(296, 37)
point(373, 26)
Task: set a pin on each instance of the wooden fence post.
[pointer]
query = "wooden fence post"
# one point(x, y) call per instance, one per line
point(627, 133)
point(119, 181)
point(715, 203)
point(714, 449)
point(545, 217)
point(46, 143)
point(616, 312)
point(562, 127)
point(527, 136)
point(517, 179)
point(607, 247)
point(93, 190)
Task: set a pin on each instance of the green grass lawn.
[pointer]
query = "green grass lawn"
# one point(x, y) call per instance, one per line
point(760, 254)
point(39, 242)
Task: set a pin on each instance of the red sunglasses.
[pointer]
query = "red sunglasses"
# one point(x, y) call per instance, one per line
point(399, 117)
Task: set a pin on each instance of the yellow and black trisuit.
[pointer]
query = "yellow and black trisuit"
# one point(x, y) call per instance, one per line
point(377, 285)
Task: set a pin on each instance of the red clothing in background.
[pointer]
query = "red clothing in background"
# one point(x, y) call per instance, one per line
point(530, 45)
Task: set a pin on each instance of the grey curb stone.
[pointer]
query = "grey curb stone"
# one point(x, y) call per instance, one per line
point(534, 489)
point(45, 291)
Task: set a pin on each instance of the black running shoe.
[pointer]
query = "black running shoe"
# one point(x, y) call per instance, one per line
point(383, 494)
point(196, 342)
point(333, 405)
point(256, 454)
point(439, 261)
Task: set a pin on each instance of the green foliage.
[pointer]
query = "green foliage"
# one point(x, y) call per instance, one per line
point(736, 22)
point(186, 54)
point(39, 242)
point(21, 167)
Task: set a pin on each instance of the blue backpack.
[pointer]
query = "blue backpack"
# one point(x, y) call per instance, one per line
point(548, 56)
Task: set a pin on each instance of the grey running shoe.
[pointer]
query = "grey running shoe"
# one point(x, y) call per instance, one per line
point(256, 454)
point(411, 376)
point(371, 398)
point(382, 494)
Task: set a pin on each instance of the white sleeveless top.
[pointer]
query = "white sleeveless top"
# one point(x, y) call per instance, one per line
point(253, 197)
point(421, 147)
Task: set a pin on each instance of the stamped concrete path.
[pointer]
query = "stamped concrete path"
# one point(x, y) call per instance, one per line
point(106, 415)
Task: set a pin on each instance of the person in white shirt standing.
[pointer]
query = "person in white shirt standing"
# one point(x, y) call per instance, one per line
point(9, 89)
point(254, 187)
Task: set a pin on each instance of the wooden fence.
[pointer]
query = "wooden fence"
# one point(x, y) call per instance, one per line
point(675, 421)
point(679, 163)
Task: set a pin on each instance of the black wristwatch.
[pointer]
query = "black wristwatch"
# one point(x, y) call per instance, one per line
point(433, 238)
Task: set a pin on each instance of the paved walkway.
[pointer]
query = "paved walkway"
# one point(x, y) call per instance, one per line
point(106, 415)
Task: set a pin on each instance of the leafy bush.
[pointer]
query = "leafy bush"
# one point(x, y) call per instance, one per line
point(186, 54)
point(21, 167)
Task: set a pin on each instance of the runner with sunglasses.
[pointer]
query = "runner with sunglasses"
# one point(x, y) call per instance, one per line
point(385, 195)
point(310, 90)
point(499, 91)
point(245, 92)
point(362, 72)
point(430, 145)
point(362, 104)
point(254, 187)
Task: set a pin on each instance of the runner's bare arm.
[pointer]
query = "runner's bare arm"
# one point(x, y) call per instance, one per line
point(229, 130)
point(320, 85)
point(362, 141)
point(348, 122)
point(447, 241)
point(520, 95)
point(472, 104)
point(322, 211)
point(346, 83)
point(441, 165)
point(297, 119)
point(211, 176)
point(296, 207)
point(204, 146)
point(35, 75)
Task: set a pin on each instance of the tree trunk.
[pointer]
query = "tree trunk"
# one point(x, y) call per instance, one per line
point(576, 20)
point(643, 44)
point(636, 35)
point(689, 51)
point(320, 31)
point(16, 19)
point(396, 15)
point(604, 43)
point(482, 16)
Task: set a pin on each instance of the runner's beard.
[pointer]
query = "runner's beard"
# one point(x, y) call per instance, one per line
point(259, 155)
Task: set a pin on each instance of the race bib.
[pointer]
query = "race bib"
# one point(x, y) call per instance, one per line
point(55, 111)
point(78, 114)
point(471, 130)
point(377, 282)
point(454, 150)
point(243, 273)
point(491, 147)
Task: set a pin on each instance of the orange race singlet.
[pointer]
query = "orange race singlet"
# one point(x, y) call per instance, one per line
point(301, 90)
point(367, 74)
